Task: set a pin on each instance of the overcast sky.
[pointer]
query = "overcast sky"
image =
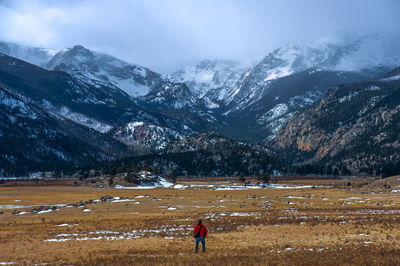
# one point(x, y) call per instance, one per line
point(168, 34)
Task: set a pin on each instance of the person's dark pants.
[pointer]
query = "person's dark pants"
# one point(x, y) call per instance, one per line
point(203, 243)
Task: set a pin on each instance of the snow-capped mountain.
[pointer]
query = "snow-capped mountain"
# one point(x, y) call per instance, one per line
point(176, 101)
point(98, 93)
point(56, 115)
point(97, 107)
point(91, 67)
point(260, 119)
point(211, 80)
point(295, 76)
point(326, 54)
point(101, 69)
point(34, 55)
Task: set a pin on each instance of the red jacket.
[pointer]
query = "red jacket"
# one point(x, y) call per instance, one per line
point(202, 228)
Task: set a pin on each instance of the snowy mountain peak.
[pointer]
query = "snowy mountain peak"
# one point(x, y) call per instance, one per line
point(80, 48)
point(100, 69)
point(336, 52)
point(339, 52)
point(210, 79)
point(92, 67)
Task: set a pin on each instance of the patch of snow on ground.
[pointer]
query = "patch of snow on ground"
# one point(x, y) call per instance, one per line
point(138, 187)
point(123, 200)
point(45, 211)
point(178, 186)
point(63, 225)
point(242, 214)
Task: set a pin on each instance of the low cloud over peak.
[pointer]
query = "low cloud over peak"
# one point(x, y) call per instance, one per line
point(166, 35)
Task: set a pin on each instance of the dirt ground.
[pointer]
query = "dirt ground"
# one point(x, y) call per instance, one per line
point(331, 223)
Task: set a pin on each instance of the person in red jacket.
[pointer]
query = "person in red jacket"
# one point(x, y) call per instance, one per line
point(200, 234)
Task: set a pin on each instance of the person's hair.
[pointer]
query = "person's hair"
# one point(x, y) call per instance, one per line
point(200, 222)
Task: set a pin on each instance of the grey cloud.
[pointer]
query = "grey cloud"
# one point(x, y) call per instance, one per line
point(168, 34)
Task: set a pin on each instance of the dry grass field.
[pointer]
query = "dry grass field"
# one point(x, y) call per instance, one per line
point(336, 224)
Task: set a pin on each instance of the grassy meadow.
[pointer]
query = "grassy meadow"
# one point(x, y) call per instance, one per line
point(337, 223)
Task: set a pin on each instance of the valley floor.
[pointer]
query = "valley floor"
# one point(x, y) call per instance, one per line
point(329, 224)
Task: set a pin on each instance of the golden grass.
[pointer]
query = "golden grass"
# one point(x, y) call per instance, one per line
point(323, 226)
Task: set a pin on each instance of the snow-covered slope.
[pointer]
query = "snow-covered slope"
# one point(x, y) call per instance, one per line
point(97, 68)
point(92, 67)
point(170, 96)
point(33, 55)
point(78, 118)
point(368, 51)
point(334, 53)
point(393, 75)
point(145, 134)
point(210, 79)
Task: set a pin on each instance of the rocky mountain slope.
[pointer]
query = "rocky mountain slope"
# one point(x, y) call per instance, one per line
point(147, 136)
point(353, 129)
point(152, 113)
point(210, 154)
point(296, 75)
point(87, 112)
point(149, 90)
point(75, 99)
point(221, 95)
point(284, 97)
point(33, 138)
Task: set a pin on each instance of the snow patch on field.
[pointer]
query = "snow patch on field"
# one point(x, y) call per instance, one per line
point(168, 232)
point(63, 225)
point(28, 206)
point(45, 211)
point(138, 187)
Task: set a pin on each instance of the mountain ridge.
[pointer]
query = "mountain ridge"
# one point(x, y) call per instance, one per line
point(254, 105)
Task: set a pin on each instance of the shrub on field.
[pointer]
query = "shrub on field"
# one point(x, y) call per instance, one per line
point(265, 178)
point(242, 178)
